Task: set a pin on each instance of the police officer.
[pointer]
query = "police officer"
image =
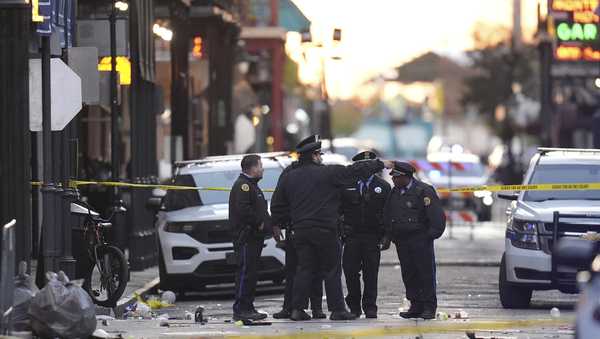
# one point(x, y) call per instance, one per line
point(249, 218)
point(291, 265)
point(362, 222)
point(308, 196)
point(413, 218)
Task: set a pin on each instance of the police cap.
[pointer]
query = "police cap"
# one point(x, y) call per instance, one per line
point(366, 155)
point(310, 144)
point(402, 168)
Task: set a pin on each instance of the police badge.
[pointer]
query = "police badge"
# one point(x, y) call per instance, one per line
point(377, 190)
point(245, 187)
point(427, 201)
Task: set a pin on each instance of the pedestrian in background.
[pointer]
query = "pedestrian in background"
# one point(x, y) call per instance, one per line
point(308, 196)
point(362, 223)
point(249, 219)
point(414, 218)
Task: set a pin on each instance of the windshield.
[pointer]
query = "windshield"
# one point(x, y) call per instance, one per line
point(226, 179)
point(436, 170)
point(562, 174)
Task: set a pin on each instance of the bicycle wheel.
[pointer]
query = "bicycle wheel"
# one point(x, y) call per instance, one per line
point(107, 279)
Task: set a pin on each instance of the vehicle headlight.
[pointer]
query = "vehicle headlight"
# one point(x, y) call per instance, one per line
point(523, 234)
point(179, 227)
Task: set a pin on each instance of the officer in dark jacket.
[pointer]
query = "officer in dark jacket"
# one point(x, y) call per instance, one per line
point(413, 218)
point(309, 197)
point(362, 222)
point(249, 218)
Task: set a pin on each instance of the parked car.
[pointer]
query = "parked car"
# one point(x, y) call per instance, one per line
point(194, 234)
point(538, 219)
point(195, 238)
point(453, 170)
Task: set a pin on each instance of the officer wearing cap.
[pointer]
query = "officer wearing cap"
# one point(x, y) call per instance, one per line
point(308, 196)
point(249, 218)
point(413, 219)
point(362, 222)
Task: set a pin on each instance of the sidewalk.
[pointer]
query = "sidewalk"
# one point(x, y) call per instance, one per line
point(463, 245)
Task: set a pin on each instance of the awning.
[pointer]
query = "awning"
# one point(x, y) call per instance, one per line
point(291, 17)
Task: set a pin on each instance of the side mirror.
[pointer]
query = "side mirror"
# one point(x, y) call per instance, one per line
point(154, 203)
point(511, 196)
point(574, 252)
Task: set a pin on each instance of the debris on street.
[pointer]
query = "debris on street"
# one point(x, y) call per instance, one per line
point(555, 312)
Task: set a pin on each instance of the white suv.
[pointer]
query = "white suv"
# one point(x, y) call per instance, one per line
point(194, 233)
point(537, 219)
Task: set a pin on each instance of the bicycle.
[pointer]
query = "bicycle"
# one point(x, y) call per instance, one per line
point(108, 272)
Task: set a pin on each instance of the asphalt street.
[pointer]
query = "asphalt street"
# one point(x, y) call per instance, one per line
point(469, 287)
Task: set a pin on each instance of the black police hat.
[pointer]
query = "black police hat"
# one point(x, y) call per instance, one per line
point(402, 168)
point(366, 155)
point(310, 144)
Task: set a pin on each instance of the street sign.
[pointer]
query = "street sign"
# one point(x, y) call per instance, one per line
point(65, 94)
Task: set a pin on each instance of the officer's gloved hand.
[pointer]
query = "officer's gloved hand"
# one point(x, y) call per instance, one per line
point(385, 243)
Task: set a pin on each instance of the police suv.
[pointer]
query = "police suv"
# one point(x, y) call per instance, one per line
point(538, 219)
point(195, 247)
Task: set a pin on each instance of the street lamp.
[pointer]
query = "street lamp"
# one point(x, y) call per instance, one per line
point(324, 120)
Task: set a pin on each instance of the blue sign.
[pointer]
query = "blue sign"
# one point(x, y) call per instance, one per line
point(59, 17)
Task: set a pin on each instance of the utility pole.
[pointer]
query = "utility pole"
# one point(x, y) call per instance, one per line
point(15, 138)
point(117, 205)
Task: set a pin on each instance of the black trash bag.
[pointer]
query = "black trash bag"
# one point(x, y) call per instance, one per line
point(25, 290)
point(62, 309)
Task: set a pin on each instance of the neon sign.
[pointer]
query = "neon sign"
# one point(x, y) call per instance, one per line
point(577, 32)
point(576, 28)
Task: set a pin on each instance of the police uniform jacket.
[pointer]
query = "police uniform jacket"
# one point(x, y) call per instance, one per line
point(308, 194)
point(247, 205)
point(363, 211)
point(415, 214)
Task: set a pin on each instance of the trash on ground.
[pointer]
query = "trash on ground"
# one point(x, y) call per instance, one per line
point(154, 303)
point(24, 292)
point(555, 312)
point(168, 297)
point(442, 316)
point(62, 309)
point(189, 315)
point(461, 315)
point(239, 323)
point(199, 315)
point(102, 334)
point(105, 317)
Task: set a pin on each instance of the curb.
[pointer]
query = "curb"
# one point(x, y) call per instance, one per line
point(488, 263)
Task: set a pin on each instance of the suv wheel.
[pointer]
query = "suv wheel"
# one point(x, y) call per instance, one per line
point(512, 296)
point(162, 271)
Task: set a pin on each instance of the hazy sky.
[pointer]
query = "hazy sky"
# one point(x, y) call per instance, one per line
point(380, 34)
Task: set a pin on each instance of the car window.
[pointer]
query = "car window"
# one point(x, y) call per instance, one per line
point(226, 179)
point(562, 174)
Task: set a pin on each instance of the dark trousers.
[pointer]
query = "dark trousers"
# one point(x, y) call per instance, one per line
point(248, 257)
point(291, 266)
point(319, 254)
point(417, 260)
point(361, 253)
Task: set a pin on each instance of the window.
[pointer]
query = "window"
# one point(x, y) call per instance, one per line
point(564, 174)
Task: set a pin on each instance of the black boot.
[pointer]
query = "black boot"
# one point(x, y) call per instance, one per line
point(318, 314)
point(283, 314)
point(342, 315)
point(371, 314)
point(249, 315)
point(428, 313)
point(414, 311)
point(299, 315)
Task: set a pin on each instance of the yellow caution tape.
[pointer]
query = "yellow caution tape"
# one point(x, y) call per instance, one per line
point(419, 328)
point(470, 189)
point(540, 187)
